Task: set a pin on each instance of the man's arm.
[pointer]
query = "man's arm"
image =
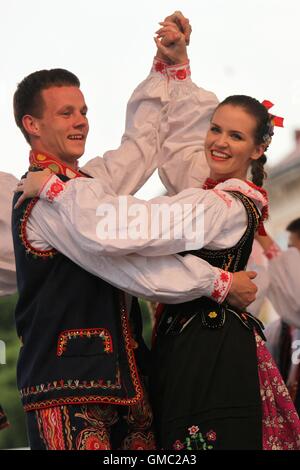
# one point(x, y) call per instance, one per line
point(170, 279)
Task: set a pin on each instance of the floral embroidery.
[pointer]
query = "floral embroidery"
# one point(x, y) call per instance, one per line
point(56, 187)
point(196, 440)
point(178, 445)
point(88, 439)
point(273, 251)
point(281, 424)
point(211, 436)
point(68, 335)
point(172, 72)
point(193, 430)
point(139, 441)
point(221, 286)
point(159, 66)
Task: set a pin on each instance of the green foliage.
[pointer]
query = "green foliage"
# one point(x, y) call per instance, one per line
point(147, 309)
point(15, 435)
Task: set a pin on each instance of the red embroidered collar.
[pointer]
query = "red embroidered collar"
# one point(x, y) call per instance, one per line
point(44, 160)
point(211, 183)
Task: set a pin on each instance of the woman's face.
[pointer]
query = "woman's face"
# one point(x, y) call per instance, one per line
point(229, 143)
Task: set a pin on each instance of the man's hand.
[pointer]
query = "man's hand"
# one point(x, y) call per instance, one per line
point(31, 185)
point(242, 291)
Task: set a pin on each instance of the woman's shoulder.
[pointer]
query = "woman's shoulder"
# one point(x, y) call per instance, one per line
point(257, 195)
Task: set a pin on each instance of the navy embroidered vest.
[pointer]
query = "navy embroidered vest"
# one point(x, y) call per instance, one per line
point(77, 346)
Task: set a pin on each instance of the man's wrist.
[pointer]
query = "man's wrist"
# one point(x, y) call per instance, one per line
point(221, 285)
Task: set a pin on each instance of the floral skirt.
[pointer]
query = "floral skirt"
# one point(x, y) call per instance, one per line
point(280, 422)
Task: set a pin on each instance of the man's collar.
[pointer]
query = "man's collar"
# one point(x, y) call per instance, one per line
point(44, 160)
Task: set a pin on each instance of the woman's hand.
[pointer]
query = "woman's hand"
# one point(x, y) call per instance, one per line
point(32, 185)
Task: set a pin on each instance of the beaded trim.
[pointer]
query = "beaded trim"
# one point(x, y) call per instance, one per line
point(68, 335)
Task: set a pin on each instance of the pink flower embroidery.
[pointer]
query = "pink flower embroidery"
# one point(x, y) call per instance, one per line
point(193, 430)
point(211, 436)
point(224, 277)
point(216, 294)
point(159, 67)
point(178, 445)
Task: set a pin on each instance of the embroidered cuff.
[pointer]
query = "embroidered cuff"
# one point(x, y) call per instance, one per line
point(52, 188)
point(273, 251)
point(177, 72)
point(42, 187)
point(221, 286)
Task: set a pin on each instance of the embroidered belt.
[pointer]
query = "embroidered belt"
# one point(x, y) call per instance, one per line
point(211, 315)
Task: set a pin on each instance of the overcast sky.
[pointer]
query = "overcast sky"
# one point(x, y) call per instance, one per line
point(249, 46)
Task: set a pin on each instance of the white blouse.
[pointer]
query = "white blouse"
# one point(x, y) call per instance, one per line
point(284, 288)
point(7, 258)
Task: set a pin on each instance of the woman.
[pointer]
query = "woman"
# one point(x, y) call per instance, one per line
point(214, 384)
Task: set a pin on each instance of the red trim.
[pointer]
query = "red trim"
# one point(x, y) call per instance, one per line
point(44, 160)
point(23, 234)
point(67, 335)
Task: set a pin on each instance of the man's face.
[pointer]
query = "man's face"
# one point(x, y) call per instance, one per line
point(64, 126)
point(294, 240)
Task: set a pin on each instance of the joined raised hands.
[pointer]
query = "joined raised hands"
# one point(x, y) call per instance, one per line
point(172, 39)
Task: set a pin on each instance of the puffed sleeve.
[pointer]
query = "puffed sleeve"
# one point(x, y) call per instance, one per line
point(185, 122)
point(129, 166)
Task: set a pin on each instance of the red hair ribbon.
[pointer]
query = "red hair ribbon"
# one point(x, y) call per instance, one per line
point(277, 121)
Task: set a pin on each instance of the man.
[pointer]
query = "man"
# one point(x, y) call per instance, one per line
point(78, 349)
